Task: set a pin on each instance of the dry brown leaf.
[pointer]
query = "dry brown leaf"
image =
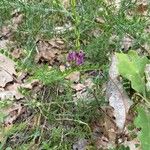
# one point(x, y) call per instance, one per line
point(80, 144)
point(17, 19)
point(11, 92)
point(126, 43)
point(115, 3)
point(62, 68)
point(144, 2)
point(110, 126)
point(22, 76)
point(78, 87)
point(6, 95)
point(100, 20)
point(7, 64)
point(117, 96)
point(142, 8)
point(83, 95)
point(4, 43)
point(66, 3)
point(35, 86)
point(96, 33)
point(74, 76)
point(6, 31)
point(13, 88)
point(103, 143)
point(31, 84)
point(104, 134)
point(132, 144)
point(7, 69)
point(49, 51)
point(82, 92)
point(63, 29)
point(16, 53)
point(13, 113)
point(89, 83)
point(4, 78)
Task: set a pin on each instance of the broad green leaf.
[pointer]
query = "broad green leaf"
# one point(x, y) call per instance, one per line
point(143, 122)
point(131, 66)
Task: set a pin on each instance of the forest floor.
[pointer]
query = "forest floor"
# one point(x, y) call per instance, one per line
point(74, 75)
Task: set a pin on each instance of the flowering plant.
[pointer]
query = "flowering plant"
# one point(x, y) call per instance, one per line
point(76, 57)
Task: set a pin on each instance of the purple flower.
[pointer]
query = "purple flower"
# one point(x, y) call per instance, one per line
point(80, 58)
point(76, 57)
point(71, 56)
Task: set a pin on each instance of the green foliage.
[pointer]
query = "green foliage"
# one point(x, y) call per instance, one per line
point(122, 147)
point(41, 18)
point(6, 134)
point(143, 122)
point(131, 66)
point(51, 75)
point(3, 105)
point(95, 39)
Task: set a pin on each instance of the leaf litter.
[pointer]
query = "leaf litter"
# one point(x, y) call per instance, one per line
point(7, 70)
point(50, 51)
point(110, 130)
point(9, 84)
point(117, 96)
point(105, 131)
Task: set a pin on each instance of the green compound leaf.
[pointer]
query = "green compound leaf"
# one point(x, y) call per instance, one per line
point(131, 66)
point(143, 122)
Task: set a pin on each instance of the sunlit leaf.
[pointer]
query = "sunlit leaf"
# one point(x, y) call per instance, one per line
point(131, 66)
point(143, 122)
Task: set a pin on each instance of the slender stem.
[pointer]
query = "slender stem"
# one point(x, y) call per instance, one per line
point(76, 24)
point(74, 120)
point(145, 99)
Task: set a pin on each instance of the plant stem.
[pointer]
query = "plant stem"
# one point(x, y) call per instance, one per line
point(76, 18)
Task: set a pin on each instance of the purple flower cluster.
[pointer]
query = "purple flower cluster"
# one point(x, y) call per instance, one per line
point(76, 57)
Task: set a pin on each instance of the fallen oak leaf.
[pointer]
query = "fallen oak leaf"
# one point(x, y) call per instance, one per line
point(62, 68)
point(126, 43)
point(14, 89)
point(63, 29)
point(74, 76)
point(5, 78)
point(81, 144)
point(13, 113)
point(16, 53)
point(132, 144)
point(6, 95)
point(49, 50)
point(89, 83)
point(6, 32)
point(30, 85)
point(117, 96)
point(11, 92)
point(142, 8)
point(7, 70)
point(65, 3)
point(78, 87)
point(7, 64)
